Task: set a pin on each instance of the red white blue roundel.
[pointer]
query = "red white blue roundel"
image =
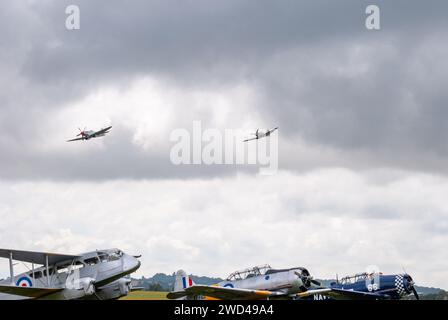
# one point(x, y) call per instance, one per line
point(24, 282)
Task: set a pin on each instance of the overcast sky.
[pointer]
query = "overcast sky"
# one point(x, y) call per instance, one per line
point(363, 118)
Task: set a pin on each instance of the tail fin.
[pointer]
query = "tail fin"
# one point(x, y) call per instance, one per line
point(182, 282)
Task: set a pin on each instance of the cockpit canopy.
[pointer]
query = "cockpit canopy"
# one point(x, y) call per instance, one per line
point(249, 273)
point(103, 256)
point(357, 278)
point(87, 259)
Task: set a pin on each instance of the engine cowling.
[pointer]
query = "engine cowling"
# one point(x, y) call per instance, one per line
point(125, 286)
point(87, 284)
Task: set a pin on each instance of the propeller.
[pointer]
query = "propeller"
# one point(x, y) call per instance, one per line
point(415, 293)
point(81, 132)
point(307, 279)
point(138, 256)
point(317, 283)
point(411, 283)
point(411, 286)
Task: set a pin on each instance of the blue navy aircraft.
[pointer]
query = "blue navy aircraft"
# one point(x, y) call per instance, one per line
point(366, 286)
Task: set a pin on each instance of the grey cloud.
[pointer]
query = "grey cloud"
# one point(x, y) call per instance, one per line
point(296, 54)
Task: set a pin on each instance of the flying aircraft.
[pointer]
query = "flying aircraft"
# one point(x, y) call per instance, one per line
point(99, 275)
point(89, 134)
point(257, 283)
point(373, 286)
point(261, 133)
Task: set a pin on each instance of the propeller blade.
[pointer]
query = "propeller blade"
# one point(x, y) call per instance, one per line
point(139, 256)
point(317, 283)
point(306, 280)
point(415, 294)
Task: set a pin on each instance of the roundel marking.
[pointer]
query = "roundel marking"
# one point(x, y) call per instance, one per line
point(24, 282)
point(228, 285)
point(266, 278)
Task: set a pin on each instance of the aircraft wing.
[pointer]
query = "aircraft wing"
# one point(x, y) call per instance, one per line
point(312, 292)
point(272, 130)
point(75, 139)
point(341, 294)
point(102, 131)
point(30, 292)
point(36, 257)
point(250, 139)
point(224, 293)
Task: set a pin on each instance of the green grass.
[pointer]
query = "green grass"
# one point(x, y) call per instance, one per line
point(146, 295)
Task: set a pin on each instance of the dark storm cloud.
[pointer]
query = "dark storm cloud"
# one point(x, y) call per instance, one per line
point(321, 75)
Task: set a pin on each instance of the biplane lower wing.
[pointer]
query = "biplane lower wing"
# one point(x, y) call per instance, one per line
point(30, 292)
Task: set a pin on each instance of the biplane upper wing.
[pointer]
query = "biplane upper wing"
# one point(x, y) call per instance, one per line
point(30, 292)
point(224, 293)
point(36, 257)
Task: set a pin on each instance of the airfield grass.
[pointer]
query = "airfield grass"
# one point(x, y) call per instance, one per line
point(146, 295)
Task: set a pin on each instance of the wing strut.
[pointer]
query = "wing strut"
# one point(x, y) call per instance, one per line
point(48, 273)
point(11, 269)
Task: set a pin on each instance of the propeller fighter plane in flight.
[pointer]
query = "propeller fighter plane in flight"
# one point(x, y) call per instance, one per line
point(96, 275)
point(261, 133)
point(89, 134)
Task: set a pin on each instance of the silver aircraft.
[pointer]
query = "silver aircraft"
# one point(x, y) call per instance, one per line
point(89, 134)
point(101, 274)
point(261, 133)
point(257, 283)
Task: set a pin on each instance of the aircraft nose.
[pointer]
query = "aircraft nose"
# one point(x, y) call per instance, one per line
point(408, 283)
point(404, 284)
point(131, 264)
point(305, 278)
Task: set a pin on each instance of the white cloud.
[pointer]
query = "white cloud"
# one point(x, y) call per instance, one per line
point(331, 221)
